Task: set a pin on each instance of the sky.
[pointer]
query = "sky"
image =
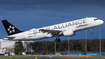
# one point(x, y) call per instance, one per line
point(28, 14)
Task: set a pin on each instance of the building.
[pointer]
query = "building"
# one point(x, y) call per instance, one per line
point(6, 44)
point(9, 45)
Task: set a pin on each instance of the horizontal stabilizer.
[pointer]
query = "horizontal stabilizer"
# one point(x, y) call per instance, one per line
point(8, 38)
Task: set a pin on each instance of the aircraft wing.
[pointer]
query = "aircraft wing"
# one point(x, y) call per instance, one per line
point(53, 32)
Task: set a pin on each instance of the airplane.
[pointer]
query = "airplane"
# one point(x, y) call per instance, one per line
point(57, 30)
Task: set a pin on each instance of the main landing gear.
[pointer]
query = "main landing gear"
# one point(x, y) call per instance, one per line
point(57, 39)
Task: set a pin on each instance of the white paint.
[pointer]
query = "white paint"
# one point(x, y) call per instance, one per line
point(63, 29)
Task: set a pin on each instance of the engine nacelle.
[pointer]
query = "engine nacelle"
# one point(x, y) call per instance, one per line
point(49, 35)
point(68, 33)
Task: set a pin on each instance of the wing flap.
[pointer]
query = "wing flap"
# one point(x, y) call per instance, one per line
point(53, 32)
point(46, 30)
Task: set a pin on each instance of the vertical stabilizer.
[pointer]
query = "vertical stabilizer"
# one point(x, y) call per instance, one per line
point(11, 29)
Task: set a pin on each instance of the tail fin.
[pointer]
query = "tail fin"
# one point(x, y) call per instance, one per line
point(11, 29)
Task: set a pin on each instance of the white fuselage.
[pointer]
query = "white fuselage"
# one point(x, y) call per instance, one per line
point(73, 26)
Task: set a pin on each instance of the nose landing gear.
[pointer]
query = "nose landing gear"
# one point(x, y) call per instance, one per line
point(91, 31)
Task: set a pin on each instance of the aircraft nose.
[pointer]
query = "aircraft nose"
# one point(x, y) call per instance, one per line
point(101, 21)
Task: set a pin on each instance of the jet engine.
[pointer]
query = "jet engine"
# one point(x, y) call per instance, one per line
point(49, 35)
point(68, 33)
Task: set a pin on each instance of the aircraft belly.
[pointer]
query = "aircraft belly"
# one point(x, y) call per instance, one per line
point(37, 36)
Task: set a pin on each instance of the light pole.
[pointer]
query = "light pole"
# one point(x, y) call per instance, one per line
point(100, 41)
point(0, 44)
point(55, 47)
point(68, 46)
point(85, 42)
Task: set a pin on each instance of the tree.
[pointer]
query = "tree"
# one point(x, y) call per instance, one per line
point(18, 48)
point(74, 44)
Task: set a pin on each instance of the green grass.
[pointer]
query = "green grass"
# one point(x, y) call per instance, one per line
point(76, 57)
point(14, 57)
point(60, 57)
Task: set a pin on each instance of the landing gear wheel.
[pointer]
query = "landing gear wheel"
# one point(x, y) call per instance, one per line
point(57, 40)
point(91, 32)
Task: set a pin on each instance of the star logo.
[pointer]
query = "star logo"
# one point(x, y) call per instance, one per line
point(11, 29)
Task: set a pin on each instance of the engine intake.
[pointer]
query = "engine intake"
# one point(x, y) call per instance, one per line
point(68, 33)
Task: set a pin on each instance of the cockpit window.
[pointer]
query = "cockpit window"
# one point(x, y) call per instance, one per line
point(95, 19)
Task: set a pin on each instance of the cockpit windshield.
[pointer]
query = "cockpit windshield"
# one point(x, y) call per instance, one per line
point(95, 19)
